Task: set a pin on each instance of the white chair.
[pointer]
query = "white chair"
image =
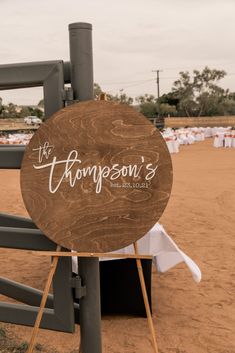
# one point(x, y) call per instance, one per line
point(169, 142)
point(191, 139)
point(233, 138)
point(175, 144)
point(199, 136)
point(228, 139)
point(183, 139)
point(219, 140)
point(215, 130)
point(208, 132)
point(202, 136)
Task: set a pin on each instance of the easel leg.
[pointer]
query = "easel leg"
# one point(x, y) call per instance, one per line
point(43, 301)
point(146, 301)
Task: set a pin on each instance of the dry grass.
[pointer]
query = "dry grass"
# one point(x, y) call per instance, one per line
point(8, 345)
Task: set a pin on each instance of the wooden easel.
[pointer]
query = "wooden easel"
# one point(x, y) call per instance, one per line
point(146, 301)
point(56, 254)
point(116, 127)
point(43, 301)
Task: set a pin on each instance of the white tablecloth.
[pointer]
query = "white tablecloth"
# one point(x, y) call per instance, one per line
point(164, 250)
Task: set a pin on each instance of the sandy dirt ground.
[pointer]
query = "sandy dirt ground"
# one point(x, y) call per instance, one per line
point(188, 318)
point(7, 125)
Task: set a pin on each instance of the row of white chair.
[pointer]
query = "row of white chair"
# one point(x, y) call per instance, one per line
point(226, 139)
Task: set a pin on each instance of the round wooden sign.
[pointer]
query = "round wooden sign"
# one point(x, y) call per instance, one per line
point(96, 176)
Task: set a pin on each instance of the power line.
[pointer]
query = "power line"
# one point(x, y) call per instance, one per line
point(129, 84)
point(137, 82)
point(125, 82)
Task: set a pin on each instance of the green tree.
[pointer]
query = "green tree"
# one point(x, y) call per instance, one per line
point(166, 109)
point(228, 106)
point(25, 111)
point(199, 95)
point(41, 103)
point(169, 98)
point(146, 98)
point(30, 111)
point(122, 98)
point(11, 111)
point(36, 112)
point(151, 107)
point(183, 90)
point(1, 106)
point(97, 91)
point(149, 110)
point(148, 105)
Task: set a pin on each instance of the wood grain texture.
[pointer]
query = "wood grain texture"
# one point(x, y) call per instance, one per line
point(84, 213)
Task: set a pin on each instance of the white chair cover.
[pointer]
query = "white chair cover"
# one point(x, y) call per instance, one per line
point(191, 139)
point(208, 132)
point(170, 145)
point(228, 139)
point(219, 140)
point(176, 145)
point(233, 138)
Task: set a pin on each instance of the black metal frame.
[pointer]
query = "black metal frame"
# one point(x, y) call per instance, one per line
point(49, 74)
point(17, 232)
point(22, 233)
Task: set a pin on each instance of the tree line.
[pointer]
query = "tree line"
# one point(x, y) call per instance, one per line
point(13, 111)
point(192, 95)
point(195, 95)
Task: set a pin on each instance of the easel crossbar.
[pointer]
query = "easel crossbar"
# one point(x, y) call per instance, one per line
point(85, 254)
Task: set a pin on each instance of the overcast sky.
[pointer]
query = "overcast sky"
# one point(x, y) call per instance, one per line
point(130, 39)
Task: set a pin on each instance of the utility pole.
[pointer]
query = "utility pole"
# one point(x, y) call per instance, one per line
point(158, 82)
point(158, 89)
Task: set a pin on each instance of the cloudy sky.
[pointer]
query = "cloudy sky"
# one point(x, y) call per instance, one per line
point(130, 39)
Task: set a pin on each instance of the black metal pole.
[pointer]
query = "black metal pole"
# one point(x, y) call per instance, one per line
point(81, 57)
point(82, 84)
